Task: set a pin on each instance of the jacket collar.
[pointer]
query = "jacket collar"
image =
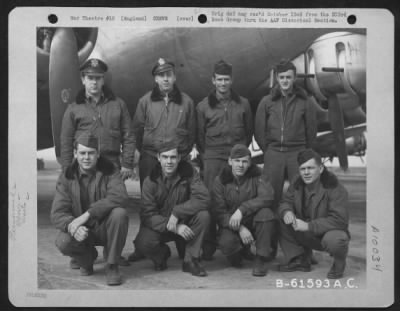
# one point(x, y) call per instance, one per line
point(184, 170)
point(103, 166)
point(297, 91)
point(227, 177)
point(175, 95)
point(328, 180)
point(213, 100)
point(81, 96)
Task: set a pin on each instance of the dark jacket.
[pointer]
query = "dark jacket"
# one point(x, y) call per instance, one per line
point(106, 191)
point(185, 198)
point(155, 122)
point(329, 206)
point(109, 121)
point(249, 196)
point(292, 129)
point(220, 128)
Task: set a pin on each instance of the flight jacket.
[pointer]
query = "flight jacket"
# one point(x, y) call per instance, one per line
point(157, 122)
point(289, 130)
point(185, 198)
point(249, 195)
point(106, 192)
point(219, 128)
point(328, 210)
point(109, 121)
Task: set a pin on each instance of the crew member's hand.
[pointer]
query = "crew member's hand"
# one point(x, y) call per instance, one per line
point(193, 154)
point(289, 218)
point(245, 235)
point(77, 222)
point(185, 232)
point(234, 221)
point(81, 234)
point(300, 225)
point(172, 222)
point(126, 173)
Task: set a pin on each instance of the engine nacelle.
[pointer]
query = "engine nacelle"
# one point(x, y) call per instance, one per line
point(86, 39)
point(335, 63)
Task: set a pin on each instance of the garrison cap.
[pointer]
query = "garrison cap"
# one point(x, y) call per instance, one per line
point(223, 68)
point(94, 66)
point(285, 65)
point(168, 145)
point(239, 151)
point(162, 65)
point(308, 154)
point(87, 139)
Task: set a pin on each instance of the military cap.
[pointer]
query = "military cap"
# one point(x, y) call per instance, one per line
point(94, 66)
point(239, 151)
point(285, 65)
point(168, 145)
point(162, 65)
point(87, 139)
point(306, 155)
point(223, 68)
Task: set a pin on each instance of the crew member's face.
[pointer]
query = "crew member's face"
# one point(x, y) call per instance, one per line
point(286, 80)
point(87, 157)
point(169, 161)
point(310, 171)
point(93, 83)
point(165, 81)
point(222, 83)
point(240, 165)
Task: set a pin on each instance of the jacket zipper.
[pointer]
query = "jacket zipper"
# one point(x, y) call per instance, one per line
point(283, 123)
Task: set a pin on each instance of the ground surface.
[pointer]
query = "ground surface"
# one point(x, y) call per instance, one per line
point(54, 271)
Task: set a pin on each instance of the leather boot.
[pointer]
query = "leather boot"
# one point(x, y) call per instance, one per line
point(337, 269)
point(113, 275)
point(194, 267)
point(260, 266)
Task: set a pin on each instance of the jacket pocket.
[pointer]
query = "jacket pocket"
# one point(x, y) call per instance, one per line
point(110, 140)
point(239, 135)
point(149, 137)
point(213, 137)
point(182, 137)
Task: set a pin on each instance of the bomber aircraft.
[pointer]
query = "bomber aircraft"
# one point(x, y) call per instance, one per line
point(331, 66)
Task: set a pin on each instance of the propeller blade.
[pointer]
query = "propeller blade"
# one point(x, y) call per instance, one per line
point(64, 79)
point(337, 126)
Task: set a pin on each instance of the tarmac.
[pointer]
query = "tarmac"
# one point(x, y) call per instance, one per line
point(54, 271)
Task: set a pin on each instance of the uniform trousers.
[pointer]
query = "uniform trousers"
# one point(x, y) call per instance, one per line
point(151, 243)
point(110, 233)
point(278, 165)
point(212, 168)
point(295, 243)
point(261, 227)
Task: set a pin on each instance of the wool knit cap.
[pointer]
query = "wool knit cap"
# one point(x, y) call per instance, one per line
point(239, 151)
point(87, 139)
point(167, 146)
point(223, 68)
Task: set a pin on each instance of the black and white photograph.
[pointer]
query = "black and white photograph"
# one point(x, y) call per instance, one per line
point(201, 157)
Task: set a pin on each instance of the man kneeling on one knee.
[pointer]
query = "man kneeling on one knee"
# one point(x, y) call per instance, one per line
point(88, 209)
point(242, 201)
point(314, 216)
point(175, 208)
